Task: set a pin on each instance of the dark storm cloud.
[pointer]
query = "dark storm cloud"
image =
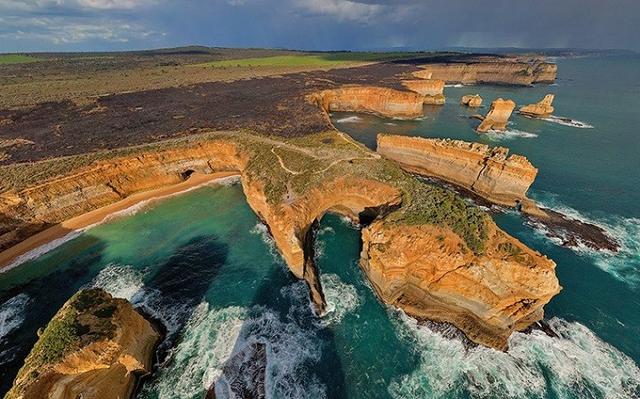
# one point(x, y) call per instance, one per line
point(317, 24)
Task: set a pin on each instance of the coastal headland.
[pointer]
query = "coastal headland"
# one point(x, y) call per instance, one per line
point(425, 249)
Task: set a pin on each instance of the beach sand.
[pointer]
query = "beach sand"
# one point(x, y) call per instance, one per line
point(9, 256)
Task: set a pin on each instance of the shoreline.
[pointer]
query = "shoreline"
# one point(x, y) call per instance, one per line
point(18, 254)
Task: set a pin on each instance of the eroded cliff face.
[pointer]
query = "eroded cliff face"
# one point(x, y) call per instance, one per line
point(431, 89)
point(290, 184)
point(428, 272)
point(95, 347)
point(488, 172)
point(499, 72)
point(498, 116)
point(471, 100)
point(370, 99)
point(541, 108)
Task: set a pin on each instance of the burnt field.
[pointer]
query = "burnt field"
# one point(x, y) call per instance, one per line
point(266, 105)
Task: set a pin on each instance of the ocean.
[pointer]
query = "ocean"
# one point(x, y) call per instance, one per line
point(203, 265)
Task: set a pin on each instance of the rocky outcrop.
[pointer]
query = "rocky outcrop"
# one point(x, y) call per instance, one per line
point(540, 109)
point(431, 89)
point(493, 72)
point(290, 185)
point(426, 271)
point(95, 347)
point(488, 172)
point(471, 100)
point(498, 116)
point(369, 99)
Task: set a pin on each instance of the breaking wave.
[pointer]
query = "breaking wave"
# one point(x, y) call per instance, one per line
point(567, 122)
point(12, 313)
point(509, 134)
point(120, 281)
point(454, 85)
point(349, 119)
point(341, 298)
point(623, 265)
point(577, 364)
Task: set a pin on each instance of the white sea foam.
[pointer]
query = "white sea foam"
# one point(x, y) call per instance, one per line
point(509, 134)
point(349, 119)
point(261, 230)
point(567, 122)
point(208, 341)
point(120, 281)
point(578, 364)
point(12, 314)
point(624, 265)
point(454, 85)
point(341, 298)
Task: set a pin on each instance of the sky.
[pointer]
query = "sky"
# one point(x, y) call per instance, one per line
point(99, 25)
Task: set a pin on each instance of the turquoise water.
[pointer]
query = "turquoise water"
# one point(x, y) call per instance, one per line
point(203, 265)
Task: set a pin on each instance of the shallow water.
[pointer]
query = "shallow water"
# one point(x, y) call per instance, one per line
point(204, 265)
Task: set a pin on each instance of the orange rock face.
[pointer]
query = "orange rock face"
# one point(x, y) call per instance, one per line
point(471, 100)
point(426, 271)
point(374, 100)
point(488, 172)
point(431, 89)
point(541, 108)
point(101, 368)
point(503, 72)
point(498, 116)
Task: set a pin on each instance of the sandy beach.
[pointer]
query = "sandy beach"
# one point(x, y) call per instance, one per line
point(60, 230)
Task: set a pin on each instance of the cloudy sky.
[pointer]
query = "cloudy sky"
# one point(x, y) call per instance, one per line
point(70, 25)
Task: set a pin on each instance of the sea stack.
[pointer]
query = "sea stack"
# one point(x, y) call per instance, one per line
point(498, 116)
point(95, 347)
point(540, 109)
point(471, 100)
point(431, 89)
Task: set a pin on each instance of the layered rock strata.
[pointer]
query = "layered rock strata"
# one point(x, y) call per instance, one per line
point(471, 100)
point(291, 184)
point(498, 116)
point(540, 109)
point(95, 347)
point(489, 172)
point(497, 72)
point(369, 99)
point(431, 89)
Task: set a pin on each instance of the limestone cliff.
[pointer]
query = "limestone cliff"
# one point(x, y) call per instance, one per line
point(471, 100)
point(95, 347)
point(427, 272)
point(539, 109)
point(488, 172)
point(291, 184)
point(431, 89)
point(498, 72)
point(375, 100)
point(498, 116)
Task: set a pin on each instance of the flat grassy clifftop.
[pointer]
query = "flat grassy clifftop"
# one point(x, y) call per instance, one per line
point(320, 60)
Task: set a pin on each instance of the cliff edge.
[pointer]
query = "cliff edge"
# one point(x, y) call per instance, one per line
point(489, 172)
point(95, 347)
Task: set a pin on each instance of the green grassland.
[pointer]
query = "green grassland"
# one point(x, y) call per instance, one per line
point(308, 60)
point(6, 59)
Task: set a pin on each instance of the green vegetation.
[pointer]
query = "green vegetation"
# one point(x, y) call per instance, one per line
point(308, 60)
point(16, 59)
point(84, 319)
